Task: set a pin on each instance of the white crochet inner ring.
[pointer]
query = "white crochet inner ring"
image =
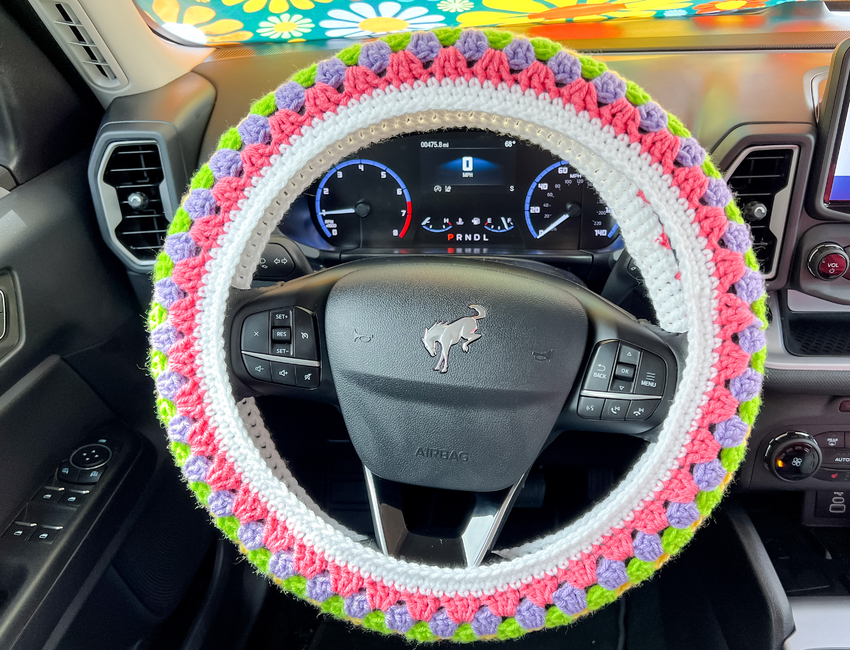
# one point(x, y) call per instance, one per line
point(618, 172)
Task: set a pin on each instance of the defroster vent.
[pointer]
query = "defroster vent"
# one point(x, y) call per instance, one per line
point(134, 171)
point(761, 179)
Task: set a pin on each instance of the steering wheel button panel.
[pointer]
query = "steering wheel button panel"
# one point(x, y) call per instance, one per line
point(282, 334)
point(641, 410)
point(628, 354)
point(306, 377)
point(282, 349)
point(258, 368)
point(282, 318)
point(620, 386)
point(304, 335)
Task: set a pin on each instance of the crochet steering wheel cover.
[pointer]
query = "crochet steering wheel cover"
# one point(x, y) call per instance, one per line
point(666, 195)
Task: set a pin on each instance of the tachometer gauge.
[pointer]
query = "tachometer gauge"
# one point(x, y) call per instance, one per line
point(362, 191)
point(553, 206)
point(499, 224)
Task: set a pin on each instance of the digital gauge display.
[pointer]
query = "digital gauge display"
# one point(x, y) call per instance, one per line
point(459, 191)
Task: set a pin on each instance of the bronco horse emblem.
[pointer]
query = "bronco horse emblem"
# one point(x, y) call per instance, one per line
point(447, 334)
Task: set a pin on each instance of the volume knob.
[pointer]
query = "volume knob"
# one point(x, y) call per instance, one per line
point(828, 261)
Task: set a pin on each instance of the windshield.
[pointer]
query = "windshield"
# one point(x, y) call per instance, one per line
point(214, 22)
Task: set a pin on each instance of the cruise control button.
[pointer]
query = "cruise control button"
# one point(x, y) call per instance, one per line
point(282, 349)
point(641, 409)
point(304, 335)
point(19, 531)
point(624, 371)
point(255, 333)
point(830, 439)
point(306, 376)
point(601, 367)
point(836, 458)
point(615, 409)
point(620, 386)
point(651, 375)
point(67, 472)
point(282, 318)
point(833, 475)
point(283, 373)
point(258, 368)
point(628, 354)
point(282, 334)
point(590, 408)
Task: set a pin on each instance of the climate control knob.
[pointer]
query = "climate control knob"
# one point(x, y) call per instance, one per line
point(793, 456)
point(828, 261)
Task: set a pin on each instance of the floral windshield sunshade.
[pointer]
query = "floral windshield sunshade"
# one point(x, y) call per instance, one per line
point(213, 22)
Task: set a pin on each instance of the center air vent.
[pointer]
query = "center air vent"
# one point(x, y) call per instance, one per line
point(762, 179)
point(133, 174)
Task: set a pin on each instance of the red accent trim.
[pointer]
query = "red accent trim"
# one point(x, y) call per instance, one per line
point(406, 223)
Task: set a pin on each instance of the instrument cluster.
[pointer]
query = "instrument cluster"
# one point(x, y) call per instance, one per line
point(453, 191)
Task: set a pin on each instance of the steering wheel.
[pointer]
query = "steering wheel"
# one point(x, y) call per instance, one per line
point(453, 373)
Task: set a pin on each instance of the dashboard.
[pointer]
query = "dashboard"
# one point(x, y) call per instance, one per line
point(453, 191)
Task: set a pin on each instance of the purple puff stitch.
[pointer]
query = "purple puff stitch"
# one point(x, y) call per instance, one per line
point(566, 67)
point(441, 625)
point(569, 599)
point(331, 72)
point(737, 235)
point(750, 287)
point(682, 515)
point(226, 162)
point(251, 535)
point(731, 432)
point(319, 587)
point(180, 246)
point(747, 385)
point(399, 619)
point(199, 203)
point(163, 337)
point(179, 427)
point(282, 565)
point(652, 117)
point(647, 547)
point(752, 338)
point(168, 383)
point(375, 56)
point(485, 622)
point(529, 615)
point(196, 468)
point(691, 153)
point(357, 605)
point(221, 503)
point(609, 87)
point(708, 476)
point(472, 44)
point(290, 96)
point(717, 194)
point(255, 129)
point(611, 574)
point(166, 292)
point(425, 46)
point(520, 53)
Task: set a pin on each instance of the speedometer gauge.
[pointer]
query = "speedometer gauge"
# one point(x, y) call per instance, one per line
point(553, 206)
point(359, 191)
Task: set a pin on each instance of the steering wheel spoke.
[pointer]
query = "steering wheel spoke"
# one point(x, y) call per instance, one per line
point(467, 545)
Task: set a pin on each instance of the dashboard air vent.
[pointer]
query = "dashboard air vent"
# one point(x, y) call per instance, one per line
point(134, 171)
point(762, 179)
point(78, 37)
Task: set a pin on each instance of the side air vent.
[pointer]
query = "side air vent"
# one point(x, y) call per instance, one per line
point(762, 179)
point(77, 36)
point(135, 198)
